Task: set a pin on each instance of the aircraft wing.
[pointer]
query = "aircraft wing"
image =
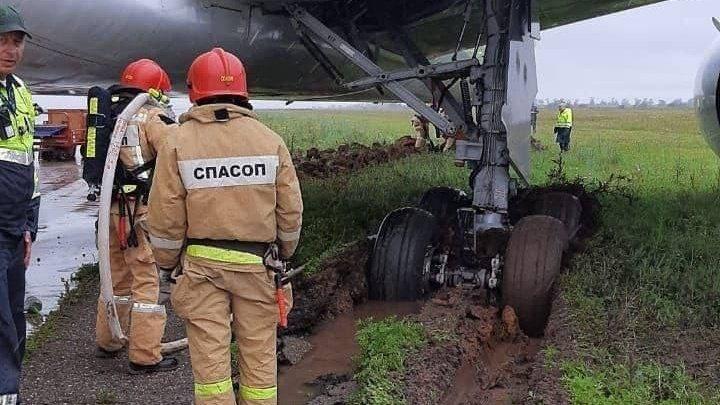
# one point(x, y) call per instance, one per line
point(81, 43)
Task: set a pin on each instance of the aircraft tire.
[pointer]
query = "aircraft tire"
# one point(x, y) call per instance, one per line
point(532, 263)
point(563, 206)
point(397, 263)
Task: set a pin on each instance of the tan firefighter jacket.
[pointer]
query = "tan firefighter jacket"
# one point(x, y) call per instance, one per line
point(223, 176)
point(143, 137)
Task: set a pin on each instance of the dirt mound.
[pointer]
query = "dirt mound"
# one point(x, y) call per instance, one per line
point(336, 288)
point(315, 163)
point(477, 353)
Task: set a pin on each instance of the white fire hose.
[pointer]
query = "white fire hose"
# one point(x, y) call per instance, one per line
point(106, 286)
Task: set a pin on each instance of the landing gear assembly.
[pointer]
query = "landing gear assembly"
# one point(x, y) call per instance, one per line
point(452, 238)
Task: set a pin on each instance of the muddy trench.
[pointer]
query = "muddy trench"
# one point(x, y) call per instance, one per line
point(476, 354)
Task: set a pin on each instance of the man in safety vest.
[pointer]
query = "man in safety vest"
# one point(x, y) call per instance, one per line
point(225, 193)
point(135, 276)
point(563, 127)
point(19, 201)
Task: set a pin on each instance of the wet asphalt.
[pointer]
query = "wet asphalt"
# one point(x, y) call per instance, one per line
point(66, 235)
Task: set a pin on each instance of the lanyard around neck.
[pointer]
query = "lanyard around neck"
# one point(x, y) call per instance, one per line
point(9, 100)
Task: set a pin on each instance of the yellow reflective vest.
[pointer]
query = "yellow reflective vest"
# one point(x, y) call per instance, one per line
point(19, 148)
point(564, 119)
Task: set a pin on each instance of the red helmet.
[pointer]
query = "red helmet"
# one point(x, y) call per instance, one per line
point(216, 73)
point(145, 74)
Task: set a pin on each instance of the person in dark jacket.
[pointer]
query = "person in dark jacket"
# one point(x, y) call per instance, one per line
point(19, 200)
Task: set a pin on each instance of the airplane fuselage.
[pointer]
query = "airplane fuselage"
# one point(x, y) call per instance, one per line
point(80, 43)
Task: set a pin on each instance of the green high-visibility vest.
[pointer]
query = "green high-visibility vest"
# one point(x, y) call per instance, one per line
point(19, 148)
point(564, 119)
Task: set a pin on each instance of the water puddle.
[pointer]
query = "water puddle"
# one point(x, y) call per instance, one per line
point(66, 235)
point(333, 349)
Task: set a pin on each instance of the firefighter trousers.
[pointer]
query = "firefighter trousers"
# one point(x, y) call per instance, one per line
point(12, 318)
point(136, 288)
point(206, 296)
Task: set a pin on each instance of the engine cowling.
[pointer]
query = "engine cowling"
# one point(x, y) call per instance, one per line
point(707, 97)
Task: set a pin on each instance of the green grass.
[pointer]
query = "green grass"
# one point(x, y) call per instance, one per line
point(384, 346)
point(653, 270)
point(645, 385)
point(328, 129)
point(344, 209)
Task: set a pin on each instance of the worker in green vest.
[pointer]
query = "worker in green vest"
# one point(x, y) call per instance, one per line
point(563, 127)
point(19, 200)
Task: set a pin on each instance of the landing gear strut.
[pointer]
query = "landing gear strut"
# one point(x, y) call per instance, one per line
point(454, 239)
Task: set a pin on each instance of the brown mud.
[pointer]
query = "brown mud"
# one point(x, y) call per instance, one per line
point(333, 349)
point(477, 353)
point(335, 289)
point(315, 163)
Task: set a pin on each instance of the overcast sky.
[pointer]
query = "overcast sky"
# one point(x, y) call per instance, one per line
point(652, 51)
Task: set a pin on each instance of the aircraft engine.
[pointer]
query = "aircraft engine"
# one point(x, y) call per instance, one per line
point(707, 97)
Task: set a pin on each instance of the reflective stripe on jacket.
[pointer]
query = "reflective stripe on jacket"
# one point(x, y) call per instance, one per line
point(19, 148)
point(223, 176)
point(565, 119)
point(17, 172)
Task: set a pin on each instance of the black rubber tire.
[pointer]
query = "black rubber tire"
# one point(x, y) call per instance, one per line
point(443, 203)
point(532, 263)
point(563, 206)
point(398, 258)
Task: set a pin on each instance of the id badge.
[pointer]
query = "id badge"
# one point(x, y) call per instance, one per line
point(7, 132)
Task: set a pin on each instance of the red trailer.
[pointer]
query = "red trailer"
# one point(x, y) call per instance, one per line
point(61, 133)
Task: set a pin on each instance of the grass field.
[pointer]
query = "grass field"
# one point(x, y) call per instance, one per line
point(303, 129)
point(344, 209)
point(646, 288)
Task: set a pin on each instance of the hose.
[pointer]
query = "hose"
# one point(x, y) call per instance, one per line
point(106, 288)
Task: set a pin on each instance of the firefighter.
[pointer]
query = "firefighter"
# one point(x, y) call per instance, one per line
point(563, 127)
point(422, 131)
point(19, 200)
point(134, 273)
point(225, 194)
point(448, 142)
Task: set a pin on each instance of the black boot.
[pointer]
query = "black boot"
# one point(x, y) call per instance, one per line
point(101, 353)
point(166, 364)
